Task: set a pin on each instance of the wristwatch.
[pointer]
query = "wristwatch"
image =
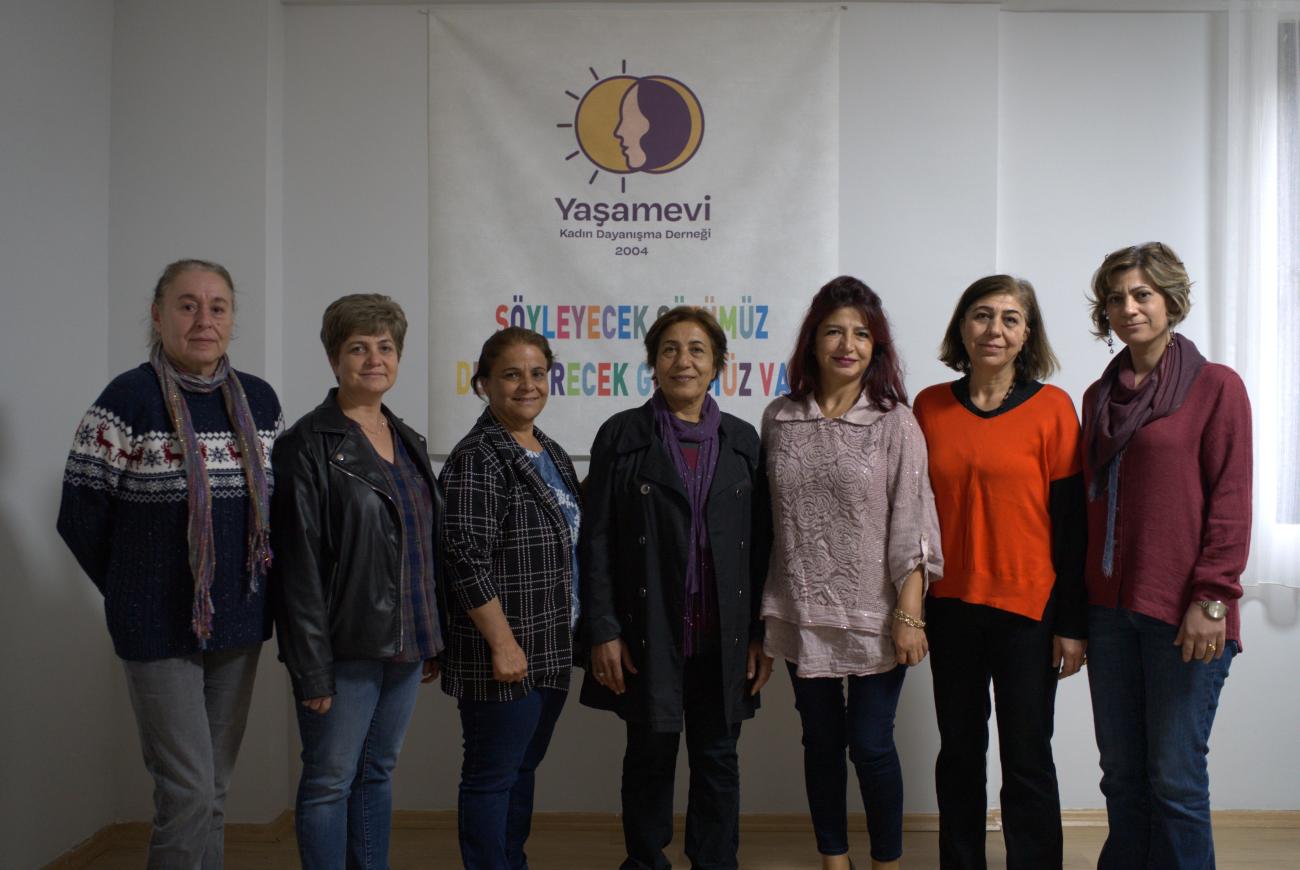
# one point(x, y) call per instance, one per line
point(1213, 609)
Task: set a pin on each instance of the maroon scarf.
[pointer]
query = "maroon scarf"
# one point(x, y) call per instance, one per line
point(673, 431)
point(1120, 409)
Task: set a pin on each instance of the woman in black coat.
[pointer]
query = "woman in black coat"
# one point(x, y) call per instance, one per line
point(673, 556)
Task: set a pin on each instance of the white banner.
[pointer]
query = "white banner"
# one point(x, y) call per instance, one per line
point(592, 166)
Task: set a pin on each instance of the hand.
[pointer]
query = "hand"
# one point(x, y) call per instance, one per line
point(509, 665)
point(431, 671)
point(1201, 638)
point(759, 667)
point(608, 662)
point(910, 644)
point(1068, 655)
point(319, 706)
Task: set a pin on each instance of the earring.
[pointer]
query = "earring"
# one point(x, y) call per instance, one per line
point(1110, 341)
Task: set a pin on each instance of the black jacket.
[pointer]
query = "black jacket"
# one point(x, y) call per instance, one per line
point(632, 557)
point(337, 540)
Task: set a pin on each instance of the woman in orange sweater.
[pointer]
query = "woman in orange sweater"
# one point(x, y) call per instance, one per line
point(1004, 465)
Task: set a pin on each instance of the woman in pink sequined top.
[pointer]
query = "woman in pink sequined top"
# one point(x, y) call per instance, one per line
point(856, 541)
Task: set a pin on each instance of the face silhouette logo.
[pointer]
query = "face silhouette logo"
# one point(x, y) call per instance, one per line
point(626, 124)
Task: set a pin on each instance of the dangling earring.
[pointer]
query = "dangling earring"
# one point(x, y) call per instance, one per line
point(1110, 341)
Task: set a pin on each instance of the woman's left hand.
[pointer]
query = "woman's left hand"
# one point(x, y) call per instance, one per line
point(910, 644)
point(431, 671)
point(1201, 638)
point(1068, 655)
point(759, 668)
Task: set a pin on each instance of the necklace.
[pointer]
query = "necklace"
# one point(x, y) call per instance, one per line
point(1010, 387)
point(378, 431)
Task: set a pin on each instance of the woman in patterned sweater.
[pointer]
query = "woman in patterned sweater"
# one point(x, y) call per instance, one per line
point(165, 505)
point(509, 538)
point(856, 541)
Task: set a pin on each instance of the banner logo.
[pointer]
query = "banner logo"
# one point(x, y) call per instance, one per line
point(626, 124)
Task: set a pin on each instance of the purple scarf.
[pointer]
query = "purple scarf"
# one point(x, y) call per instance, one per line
point(202, 555)
point(1121, 409)
point(673, 431)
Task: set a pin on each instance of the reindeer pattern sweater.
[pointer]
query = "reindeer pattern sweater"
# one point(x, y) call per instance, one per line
point(124, 515)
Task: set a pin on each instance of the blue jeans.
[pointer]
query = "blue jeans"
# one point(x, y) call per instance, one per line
point(1153, 713)
point(505, 741)
point(191, 711)
point(865, 726)
point(970, 646)
point(345, 796)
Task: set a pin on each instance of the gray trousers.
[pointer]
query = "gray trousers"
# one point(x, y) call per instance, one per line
point(191, 712)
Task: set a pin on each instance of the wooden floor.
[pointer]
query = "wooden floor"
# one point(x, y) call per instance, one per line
point(1244, 844)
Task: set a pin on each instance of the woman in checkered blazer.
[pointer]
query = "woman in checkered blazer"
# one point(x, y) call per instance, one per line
point(509, 536)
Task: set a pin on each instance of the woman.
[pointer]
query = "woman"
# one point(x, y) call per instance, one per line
point(510, 538)
point(1011, 608)
point(1168, 468)
point(856, 541)
point(181, 570)
point(356, 518)
point(673, 558)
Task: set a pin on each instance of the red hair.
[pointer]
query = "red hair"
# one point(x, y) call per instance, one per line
point(883, 379)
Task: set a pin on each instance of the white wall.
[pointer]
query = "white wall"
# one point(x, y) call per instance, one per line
point(1102, 143)
point(290, 145)
point(57, 742)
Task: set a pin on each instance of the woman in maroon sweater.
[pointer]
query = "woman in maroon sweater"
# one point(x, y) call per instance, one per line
point(1167, 465)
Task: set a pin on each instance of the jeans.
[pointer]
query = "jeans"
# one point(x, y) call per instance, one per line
point(865, 726)
point(190, 711)
point(713, 802)
point(505, 741)
point(1153, 713)
point(345, 796)
point(971, 645)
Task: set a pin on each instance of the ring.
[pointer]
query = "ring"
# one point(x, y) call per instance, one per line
point(1211, 647)
point(600, 673)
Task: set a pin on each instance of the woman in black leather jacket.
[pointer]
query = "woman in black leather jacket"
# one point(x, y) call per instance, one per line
point(355, 530)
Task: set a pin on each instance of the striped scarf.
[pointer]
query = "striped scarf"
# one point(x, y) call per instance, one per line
point(202, 556)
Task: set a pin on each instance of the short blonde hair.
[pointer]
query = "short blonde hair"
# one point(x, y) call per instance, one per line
point(361, 314)
point(1162, 268)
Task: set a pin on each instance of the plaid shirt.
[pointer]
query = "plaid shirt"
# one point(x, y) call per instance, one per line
point(414, 500)
point(505, 537)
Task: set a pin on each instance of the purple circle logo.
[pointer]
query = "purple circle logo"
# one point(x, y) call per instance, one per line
point(626, 124)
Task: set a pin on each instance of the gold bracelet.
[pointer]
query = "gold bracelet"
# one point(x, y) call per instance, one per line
point(908, 619)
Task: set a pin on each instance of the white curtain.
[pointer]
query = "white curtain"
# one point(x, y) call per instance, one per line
point(1257, 309)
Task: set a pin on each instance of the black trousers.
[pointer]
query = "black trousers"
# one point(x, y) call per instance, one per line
point(971, 646)
point(713, 805)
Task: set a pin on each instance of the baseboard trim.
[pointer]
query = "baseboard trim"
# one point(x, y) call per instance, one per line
point(136, 834)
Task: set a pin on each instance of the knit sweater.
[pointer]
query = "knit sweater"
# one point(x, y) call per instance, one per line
point(1182, 520)
point(124, 515)
point(853, 517)
point(1008, 489)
